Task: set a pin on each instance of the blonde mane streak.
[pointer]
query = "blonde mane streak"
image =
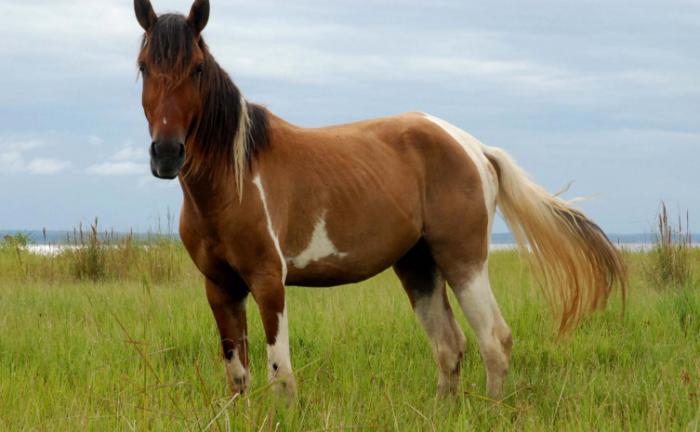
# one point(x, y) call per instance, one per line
point(241, 147)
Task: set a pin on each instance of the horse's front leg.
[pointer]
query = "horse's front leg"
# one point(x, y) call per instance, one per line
point(268, 291)
point(228, 306)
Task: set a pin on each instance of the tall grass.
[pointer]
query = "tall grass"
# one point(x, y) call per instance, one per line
point(96, 256)
point(131, 355)
point(14, 246)
point(90, 254)
point(116, 334)
point(670, 258)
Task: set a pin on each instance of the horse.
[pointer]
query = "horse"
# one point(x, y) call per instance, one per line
point(267, 203)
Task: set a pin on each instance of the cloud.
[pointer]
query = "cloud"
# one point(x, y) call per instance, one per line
point(117, 168)
point(560, 84)
point(94, 140)
point(127, 160)
point(21, 145)
point(130, 153)
point(13, 160)
point(46, 166)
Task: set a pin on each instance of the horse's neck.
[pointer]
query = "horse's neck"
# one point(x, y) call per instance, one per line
point(208, 196)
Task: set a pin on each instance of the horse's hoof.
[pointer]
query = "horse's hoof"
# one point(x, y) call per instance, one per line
point(239, 384)
point(285, 387)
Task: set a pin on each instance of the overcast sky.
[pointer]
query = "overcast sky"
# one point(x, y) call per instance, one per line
point(602, 93)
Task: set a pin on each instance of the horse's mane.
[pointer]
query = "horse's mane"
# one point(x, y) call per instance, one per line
point(229, 131)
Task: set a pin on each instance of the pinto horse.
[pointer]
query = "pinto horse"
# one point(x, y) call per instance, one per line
point(267, 203)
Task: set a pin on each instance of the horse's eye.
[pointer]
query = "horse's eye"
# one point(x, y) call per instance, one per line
point(199, 69)
point(142, 68)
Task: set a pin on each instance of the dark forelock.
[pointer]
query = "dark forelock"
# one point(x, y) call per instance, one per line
point(170, 44)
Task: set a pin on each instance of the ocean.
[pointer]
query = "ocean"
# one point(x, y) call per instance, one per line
point(48, 242)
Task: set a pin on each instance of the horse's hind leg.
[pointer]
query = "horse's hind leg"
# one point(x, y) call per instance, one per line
point(457, 232)
point(479, 306)
point(426, 289)
point(460, 248)
point(464, 264)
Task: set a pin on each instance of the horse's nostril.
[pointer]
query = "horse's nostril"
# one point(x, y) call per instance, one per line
point(167, 149)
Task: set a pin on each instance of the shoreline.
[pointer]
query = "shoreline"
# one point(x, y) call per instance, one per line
point(56, 249)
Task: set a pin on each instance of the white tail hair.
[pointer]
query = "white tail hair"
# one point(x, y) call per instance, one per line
point(574, 261)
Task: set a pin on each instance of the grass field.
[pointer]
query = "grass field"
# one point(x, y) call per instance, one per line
point(139, 351)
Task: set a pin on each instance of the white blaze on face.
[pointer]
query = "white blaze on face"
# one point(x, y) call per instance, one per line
point(320, 246)
point(475, 150)
point(165, 121)
point(258, 182)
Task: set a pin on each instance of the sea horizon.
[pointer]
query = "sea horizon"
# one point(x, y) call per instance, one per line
point(67, 237)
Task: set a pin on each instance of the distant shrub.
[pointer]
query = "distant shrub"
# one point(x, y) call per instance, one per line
point(99, 256)
point(89, 254)
point(93, 255)
point(12, 242)
point(15, 247)
point(670, 258)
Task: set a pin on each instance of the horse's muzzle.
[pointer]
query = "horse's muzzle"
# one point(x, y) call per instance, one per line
point(167, 158)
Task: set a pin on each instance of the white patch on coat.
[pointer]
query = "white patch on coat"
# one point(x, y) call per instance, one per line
point(475, 150)
point(278, 358)
point(320, 246)
point(165, 121)
point(258, 182)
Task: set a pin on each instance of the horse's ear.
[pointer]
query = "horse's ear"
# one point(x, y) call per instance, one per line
point(145, 14)
point(199, 15)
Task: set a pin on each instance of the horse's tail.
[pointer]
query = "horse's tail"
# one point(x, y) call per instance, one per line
point(575, 262)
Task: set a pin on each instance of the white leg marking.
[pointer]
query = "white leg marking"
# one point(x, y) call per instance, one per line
point(480, 307)
point(238, 375)
point(476, 299)
point(278, 353)
point(475, 150)
point(446, 338)
point(258, 182)
point(320, 246)
point(279, 363)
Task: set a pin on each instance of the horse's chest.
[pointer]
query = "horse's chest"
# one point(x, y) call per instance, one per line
point(207, 252)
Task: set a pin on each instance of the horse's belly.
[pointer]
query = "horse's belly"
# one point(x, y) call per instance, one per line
point(331, 272)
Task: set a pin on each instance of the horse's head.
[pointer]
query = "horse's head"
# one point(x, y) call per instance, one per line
point(172, 61)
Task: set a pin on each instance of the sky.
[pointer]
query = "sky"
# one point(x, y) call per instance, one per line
point(604, 94)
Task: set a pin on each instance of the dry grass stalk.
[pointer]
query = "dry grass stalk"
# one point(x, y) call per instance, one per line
point(670, 258)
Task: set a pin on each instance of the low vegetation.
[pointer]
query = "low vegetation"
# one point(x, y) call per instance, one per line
point(670, 259)
point(96, 256)
point(117, 335)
